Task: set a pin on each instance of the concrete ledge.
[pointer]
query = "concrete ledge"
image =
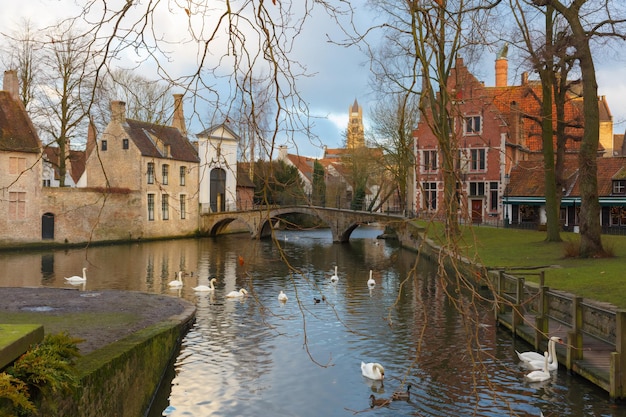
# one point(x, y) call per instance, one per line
point(16, 339)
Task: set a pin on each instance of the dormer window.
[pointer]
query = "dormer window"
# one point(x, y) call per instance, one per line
point(619, 187)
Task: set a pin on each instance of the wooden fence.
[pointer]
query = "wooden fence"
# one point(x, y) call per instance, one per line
point(595, 334)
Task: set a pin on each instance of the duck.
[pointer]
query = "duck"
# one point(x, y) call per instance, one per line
point(402, 395)
point(235, 294)
point(541, 375)
point(177, 283)
point(553, 362)
point(370, 282)
point(316, 300)
point(203, 288)
point(282, 296)
point(78, 279)
point(373, 370)
point(334, 278)
point(378, 402)
point(534, 356)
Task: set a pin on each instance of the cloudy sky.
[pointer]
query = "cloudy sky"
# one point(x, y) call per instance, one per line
point(340, 74)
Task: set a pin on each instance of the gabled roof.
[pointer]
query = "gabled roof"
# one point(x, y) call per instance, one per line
point(527, 177)
point(525, 100)
point(77, 160)
point(152, 140)
point(243, 180)
point(221, 131)
point(17, 133)
point(304, 164)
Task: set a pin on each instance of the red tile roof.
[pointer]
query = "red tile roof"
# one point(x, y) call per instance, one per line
point(17, 133)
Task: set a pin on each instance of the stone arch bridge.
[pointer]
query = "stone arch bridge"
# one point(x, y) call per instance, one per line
point(259, 222)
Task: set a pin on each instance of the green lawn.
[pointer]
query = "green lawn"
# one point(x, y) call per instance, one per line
point(598, 279)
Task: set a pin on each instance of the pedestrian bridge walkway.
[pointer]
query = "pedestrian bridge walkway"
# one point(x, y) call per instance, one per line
point(260, 221)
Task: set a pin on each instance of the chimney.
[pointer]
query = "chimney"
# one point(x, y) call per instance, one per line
point(178, 120)
point(10, 84)
point(502, 72)
point(91, 138)
point(524, 78)
point(282, 153)
point(118, 112)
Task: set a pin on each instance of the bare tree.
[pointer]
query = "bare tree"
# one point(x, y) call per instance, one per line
point(61, 107)
point(21, 51)
point(552, 61)
point(393, 123)
point(428, 36)
point(589, 19)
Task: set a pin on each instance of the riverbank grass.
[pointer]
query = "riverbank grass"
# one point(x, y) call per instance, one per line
point(597, 279)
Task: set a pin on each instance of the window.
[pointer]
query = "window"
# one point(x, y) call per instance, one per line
point(430, 195)
point(183, 175)
point(477, 162)
point(472, 125)
point(165, 207)
point(493, 196)
point(150, 173)
point(477, 188)
point(618, 216)
point(46, 183)
point(16, 165)
point(183, 206)
point(151, 207)
point(619, 187)
point(124, 143)
point(165, 171)
point(103, 145)
point(17, 205)
point(430, 160)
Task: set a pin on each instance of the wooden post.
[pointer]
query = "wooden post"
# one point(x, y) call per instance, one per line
point(542, 322)
point(575, 337)
point(618, 371)
point(517, 316)
point(499, 298)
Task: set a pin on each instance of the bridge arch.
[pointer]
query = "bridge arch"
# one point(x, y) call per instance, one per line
point(341, 222)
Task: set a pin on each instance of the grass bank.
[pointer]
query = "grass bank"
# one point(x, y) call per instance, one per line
point(598, 279)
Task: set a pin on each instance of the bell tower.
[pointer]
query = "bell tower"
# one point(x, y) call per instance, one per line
point(355, 133)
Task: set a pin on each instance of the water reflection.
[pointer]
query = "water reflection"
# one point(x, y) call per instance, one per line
point(256, 356)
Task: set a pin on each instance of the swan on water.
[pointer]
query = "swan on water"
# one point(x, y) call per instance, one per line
point(235, 294)
point(402, 395)
point(373, 371)
point(371, 282)
point(378, 402)
point(282, 296)
point(77, 279)
point(334, 278)
point(177, 283)
point(206, 288)
point(534, 356)
point(542, 375)
point(553, 362)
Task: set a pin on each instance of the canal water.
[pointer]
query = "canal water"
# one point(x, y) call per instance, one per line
point(257, 356)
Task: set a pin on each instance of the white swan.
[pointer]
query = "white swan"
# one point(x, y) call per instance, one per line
point(334, 278)
point(371, 282)
point(542, 375)
point(77, 279)
point(235, 294)
point(177, 283)
point(534, 356)
point(373, 371)
point(206, 288)
point(282, 296)
point(553, 362)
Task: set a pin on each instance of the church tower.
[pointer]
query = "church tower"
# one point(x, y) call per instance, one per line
point(355, 134)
